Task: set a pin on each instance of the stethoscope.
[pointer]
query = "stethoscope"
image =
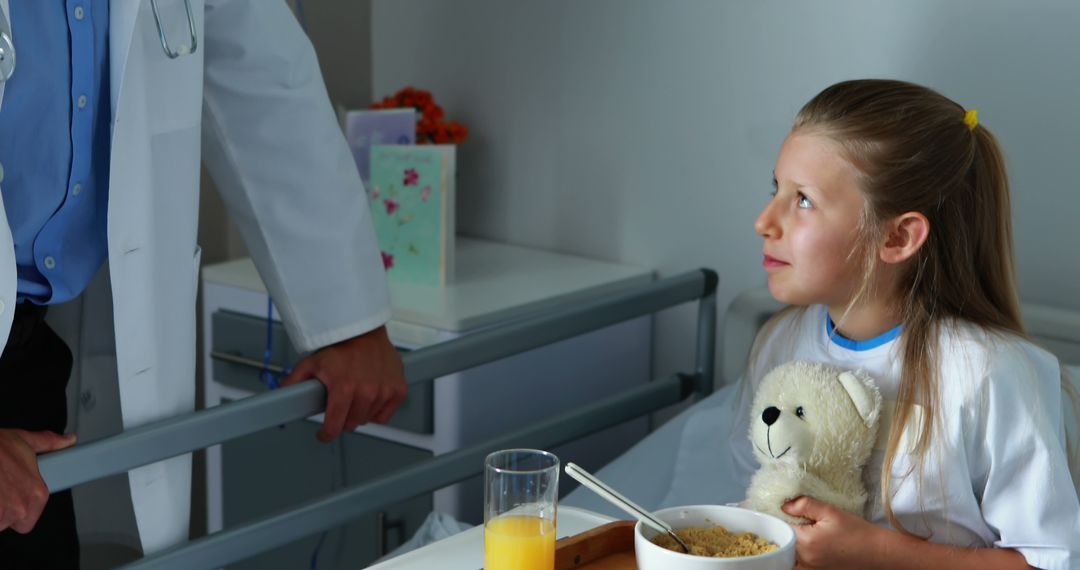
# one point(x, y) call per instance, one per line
point(7, 46)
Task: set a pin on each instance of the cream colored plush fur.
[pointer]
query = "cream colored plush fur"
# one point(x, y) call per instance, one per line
point(813, 427)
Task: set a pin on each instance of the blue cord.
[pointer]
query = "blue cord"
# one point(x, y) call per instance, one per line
point(273, 382)
point(268, 377)
point(315, 553)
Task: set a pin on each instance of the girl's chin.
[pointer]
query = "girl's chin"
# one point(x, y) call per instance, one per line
point(779, 292)
point(785, 294)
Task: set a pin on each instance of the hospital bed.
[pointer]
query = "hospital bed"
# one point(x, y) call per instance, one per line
point(175, 436)
point(671, 466)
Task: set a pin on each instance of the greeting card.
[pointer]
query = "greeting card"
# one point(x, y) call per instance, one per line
point(411, 194)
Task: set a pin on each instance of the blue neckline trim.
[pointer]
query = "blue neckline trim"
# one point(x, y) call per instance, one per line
point(858, 345)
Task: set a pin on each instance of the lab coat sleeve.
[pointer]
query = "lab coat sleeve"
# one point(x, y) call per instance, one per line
point(272, 143)
point(1018, 462)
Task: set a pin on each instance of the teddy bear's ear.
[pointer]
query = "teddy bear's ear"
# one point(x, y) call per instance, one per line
point(863, 394)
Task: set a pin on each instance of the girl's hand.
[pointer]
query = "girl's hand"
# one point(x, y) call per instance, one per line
point(834, 538)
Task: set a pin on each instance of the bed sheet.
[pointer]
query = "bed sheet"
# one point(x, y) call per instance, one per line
point(684, 462)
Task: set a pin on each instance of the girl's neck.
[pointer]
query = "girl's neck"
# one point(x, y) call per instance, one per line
point(865, 321)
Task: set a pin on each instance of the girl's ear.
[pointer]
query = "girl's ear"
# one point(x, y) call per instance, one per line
point(906, 234)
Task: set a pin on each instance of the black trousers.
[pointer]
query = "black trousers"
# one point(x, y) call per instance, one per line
point(34, 371)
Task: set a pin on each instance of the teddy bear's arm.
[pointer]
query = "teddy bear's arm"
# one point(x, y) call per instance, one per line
point(852, 501)
point(774, 485)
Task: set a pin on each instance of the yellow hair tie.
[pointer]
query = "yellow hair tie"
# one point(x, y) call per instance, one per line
point(971, 119)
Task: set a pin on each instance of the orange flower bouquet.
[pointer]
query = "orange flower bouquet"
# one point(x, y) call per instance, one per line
point(430, 126)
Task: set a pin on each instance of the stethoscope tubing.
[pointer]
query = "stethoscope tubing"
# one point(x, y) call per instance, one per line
point(7, 49)
point(7, 45)
point(182, 50)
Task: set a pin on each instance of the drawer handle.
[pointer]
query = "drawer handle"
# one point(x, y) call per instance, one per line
point(234, 359)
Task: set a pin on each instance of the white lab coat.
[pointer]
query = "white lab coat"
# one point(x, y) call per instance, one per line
point(253, 98)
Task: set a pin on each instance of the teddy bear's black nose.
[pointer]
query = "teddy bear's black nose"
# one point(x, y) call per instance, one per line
point(770, 415)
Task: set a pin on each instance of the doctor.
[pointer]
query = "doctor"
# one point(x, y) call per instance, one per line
point(102, 117)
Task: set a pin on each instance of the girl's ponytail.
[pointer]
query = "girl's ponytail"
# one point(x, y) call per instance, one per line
point(992, 219)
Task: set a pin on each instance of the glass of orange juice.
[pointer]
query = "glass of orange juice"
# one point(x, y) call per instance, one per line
point(521, 489)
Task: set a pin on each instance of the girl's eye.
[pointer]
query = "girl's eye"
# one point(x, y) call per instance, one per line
point(805, 202)
point(799, 412)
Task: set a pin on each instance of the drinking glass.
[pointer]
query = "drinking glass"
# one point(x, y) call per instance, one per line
point(521, 489)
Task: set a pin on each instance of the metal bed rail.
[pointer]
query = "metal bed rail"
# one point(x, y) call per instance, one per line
point(174, 436)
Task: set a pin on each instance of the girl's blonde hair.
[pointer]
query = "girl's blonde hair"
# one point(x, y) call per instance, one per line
point(915, 152)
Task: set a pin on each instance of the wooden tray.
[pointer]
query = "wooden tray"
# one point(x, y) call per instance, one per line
point(607, 547)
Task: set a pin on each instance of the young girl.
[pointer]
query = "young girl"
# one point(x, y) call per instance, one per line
point(889, 233)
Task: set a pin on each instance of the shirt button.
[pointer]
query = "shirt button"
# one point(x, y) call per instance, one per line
point(82, 101)
point(50, 262)
point(79, 13)
point(75, 191)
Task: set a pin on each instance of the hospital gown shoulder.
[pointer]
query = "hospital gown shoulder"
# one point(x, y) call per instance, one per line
point(979, 366)
point(1007, 394)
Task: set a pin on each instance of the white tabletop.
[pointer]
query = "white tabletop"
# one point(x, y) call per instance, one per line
point(492, 282)
point(465, 550)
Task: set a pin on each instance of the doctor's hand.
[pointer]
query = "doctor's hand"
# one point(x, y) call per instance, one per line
point(835, 538)
point(22, 492)
point(364, 379)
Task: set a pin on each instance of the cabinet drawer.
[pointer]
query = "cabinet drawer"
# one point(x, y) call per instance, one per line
point(244, 337)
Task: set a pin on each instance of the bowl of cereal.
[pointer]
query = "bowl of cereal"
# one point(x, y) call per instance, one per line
point(720, 537)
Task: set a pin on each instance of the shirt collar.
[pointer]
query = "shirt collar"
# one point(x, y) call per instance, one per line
point(858, 345)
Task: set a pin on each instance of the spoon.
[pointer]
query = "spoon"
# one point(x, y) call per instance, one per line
point(612, 496)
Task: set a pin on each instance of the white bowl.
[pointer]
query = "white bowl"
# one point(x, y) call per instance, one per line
point(735, 519)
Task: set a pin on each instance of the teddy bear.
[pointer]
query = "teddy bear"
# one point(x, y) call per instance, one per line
point(813, 427)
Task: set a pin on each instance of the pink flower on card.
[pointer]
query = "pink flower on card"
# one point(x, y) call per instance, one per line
point(391, 206)
point(375, 193)
point(387, 260)
point(425, 193)
point(412, 177)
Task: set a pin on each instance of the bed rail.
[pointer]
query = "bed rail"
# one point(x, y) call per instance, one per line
point(171, 437)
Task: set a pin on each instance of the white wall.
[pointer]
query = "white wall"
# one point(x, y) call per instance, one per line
point(645, 131)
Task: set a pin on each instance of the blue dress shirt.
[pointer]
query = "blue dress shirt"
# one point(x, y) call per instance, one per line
point(54, 145)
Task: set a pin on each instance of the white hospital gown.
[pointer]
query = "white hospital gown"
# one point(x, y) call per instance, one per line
point(996, 474)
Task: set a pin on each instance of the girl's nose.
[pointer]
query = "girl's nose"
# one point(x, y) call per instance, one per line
point(765, 224)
